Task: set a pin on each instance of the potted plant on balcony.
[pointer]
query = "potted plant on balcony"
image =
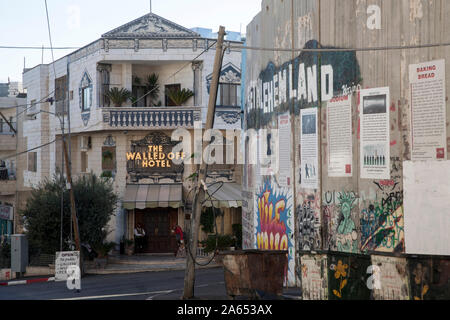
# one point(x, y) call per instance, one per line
point(180, 97)
point(152, 87)
point(118, 96)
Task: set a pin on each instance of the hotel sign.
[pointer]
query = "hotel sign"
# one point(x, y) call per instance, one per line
point(154, 157)
point(6, 213)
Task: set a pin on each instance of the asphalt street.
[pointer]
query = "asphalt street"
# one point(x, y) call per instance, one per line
point(167, 285)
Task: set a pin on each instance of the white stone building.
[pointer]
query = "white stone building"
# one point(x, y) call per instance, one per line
point(102, 134)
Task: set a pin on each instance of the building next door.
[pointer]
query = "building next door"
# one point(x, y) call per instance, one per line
point(157, 224)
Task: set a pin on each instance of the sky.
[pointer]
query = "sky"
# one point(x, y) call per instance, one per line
point(76, 23)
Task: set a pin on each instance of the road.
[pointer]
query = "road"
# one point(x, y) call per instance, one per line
point(166, 285)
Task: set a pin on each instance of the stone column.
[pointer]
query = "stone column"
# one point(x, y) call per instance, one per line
point(127, 79)
point(197, 67)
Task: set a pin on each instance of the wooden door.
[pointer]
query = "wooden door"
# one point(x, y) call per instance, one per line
point(157, 224)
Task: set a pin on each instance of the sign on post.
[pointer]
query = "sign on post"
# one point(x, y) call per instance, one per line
point(65, 260)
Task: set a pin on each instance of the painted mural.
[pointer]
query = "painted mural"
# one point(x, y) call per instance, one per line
point(429, 278)
point(274, 223)
point(382, 220)
point(347, 276)
point(341, 223)
point(298, 81)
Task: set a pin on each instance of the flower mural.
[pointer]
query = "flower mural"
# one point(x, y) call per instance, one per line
point(340, 272)
point(272, 231)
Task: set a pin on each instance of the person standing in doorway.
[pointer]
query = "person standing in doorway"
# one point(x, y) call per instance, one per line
point(139, 234)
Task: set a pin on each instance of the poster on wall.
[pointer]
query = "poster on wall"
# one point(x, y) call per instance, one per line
point(266, 151)
point(375, 134)
point(426, 204)
point(339, 135)
point(428, 115)
point(284, 150)
point(309, 149)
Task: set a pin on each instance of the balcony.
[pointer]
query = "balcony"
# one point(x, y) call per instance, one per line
point(7, 182)
point(151, 117)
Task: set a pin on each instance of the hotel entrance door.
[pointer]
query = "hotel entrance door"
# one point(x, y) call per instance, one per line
point(157, 224)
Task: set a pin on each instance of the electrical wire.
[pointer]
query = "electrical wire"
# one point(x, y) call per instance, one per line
point(383, 48)
point(38, 48)
point(29, 150)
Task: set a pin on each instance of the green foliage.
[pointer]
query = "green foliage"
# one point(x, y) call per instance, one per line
point(118, 96)
point(95, 203)
point(5, 251)
point(104, 248)
point(107, 154)
point(106, 174)
point(207, 220)
point(223, 242)
point(180, 97)
point(237, 233)
point(152, 87)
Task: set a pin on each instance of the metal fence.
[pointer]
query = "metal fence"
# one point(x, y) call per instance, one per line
point(41, 260)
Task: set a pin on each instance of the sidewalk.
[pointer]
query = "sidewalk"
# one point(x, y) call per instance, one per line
point(120, 264)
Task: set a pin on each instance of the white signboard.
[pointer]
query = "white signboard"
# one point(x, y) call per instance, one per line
point(427, 207)
point(6, 213)
point(63, 261)
point(375, 134)
point(339, 133)
point(284, 150)
point(309, 149)
point(428, 115)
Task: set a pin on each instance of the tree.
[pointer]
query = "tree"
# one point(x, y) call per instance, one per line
point(95, 202)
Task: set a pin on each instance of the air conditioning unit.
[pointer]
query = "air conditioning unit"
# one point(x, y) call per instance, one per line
point(85, 143)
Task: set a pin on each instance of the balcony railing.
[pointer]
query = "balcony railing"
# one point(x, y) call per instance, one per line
point(160, 117)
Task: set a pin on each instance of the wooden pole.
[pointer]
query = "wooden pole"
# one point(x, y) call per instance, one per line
point(189, 278)
point(72, 200)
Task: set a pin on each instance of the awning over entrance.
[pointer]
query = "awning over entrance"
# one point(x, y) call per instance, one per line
point(143, 196)
point(226, 195)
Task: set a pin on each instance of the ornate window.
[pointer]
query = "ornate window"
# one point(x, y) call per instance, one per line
point(229, 92)
point(86, 93)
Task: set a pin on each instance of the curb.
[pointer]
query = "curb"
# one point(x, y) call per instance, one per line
point(14, 283)
point(143, 270)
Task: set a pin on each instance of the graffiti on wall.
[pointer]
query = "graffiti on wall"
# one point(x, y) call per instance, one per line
point(314, 277)
point(382, 221)
point(298, 81)
point(394, 282)
point(308, 223)
point(340, 221)
point(274, 223)
point(382, 225)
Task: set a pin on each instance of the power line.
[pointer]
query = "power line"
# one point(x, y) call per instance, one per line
point(38, 48)
point(385, 48)
point(29, 150)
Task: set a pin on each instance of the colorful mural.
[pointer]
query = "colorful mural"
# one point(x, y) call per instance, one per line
point(341, 223)
point(347, 276)
point(274, 223)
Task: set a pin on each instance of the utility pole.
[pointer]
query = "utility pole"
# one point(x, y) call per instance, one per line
point(199, 196)
point(72, 199)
